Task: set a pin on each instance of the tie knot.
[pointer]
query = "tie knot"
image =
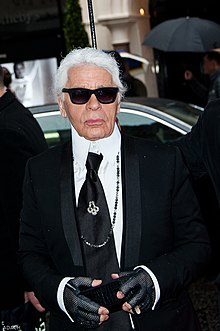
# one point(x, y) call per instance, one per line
point(92, 163)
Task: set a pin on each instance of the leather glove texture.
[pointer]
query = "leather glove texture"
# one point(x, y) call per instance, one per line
point(82, 310)
point(139, 290)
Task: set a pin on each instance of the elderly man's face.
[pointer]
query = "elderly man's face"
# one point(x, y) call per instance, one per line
point(92, 120)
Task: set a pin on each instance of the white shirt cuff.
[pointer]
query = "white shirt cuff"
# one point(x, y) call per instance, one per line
point(60, 295)
point(156, 284)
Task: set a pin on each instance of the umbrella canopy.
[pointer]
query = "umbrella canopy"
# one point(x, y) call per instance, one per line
point(185, 34)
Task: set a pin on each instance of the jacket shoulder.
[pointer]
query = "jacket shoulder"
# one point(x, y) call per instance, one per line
point(51, 156)
point(142, 145)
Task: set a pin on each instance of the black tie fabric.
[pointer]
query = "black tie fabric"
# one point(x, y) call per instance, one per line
point(92, 206)
point(99, 251)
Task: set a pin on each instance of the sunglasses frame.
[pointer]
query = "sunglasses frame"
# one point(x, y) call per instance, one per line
point(90, 92)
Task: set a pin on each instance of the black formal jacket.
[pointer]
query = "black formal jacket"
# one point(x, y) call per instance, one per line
point(201, 147)
point(162, 230)
point(201, 150)
point(20, 139)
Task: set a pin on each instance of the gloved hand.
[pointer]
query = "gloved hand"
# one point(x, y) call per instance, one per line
point(139, 289)
point(84, 312)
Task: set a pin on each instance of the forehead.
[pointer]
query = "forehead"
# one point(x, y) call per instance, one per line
point(19, 66)
point(89, 74)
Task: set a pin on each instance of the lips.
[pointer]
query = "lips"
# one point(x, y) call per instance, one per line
point(96, 121)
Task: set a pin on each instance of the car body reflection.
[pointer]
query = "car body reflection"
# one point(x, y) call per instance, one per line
point(155, 119)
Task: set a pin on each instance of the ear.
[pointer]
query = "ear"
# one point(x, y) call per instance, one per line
point(61, 107)
point(118, 123)
point(118, 107)
point(119, 103)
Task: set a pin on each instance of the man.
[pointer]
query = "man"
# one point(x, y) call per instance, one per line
point(211, 67)
point(201, 149)
point(20, 138)
point(201, 145)
point(154, 235)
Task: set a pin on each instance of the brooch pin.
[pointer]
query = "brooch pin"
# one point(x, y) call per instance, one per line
point(92, 209)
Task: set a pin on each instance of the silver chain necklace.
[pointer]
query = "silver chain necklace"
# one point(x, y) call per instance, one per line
point(114, 212)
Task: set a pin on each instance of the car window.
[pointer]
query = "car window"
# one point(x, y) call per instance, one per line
point(187, 113)
point(147, 128)
point(56, 128)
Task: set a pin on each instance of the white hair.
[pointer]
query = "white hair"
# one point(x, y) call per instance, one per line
point(92, 56)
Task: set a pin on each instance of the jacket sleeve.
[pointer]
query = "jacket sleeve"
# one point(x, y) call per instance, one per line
point(190, 250)
point(191, 148)
point(35, 262)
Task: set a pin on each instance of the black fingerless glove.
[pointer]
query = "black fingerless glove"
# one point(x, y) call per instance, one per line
point(82, 310)
point(139, 290)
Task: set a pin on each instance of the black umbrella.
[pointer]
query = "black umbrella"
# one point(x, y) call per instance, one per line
point(185, 34)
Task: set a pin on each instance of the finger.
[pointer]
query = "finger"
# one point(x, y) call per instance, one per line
point(84, 281)
point(145, 304)
point(39, 308)
point(137, 310)
point(85, 315)
point(87, 305)
point(90, 318)
point(103, 311)
point(137, 299)
point(115, 276)
point(127, 307)
point(96, 282)
point(128, 285)
point(103, 318)
point(120, 295)
point(81, 281)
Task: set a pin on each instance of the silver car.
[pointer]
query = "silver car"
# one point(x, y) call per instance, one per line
point(154, 119)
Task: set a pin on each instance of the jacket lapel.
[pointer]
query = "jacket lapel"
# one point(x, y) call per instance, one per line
point(131, 205)
point(68, 205)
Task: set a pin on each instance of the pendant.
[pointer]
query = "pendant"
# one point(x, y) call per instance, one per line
point(92, 209)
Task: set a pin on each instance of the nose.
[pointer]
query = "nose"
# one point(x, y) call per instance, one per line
point(93, 103)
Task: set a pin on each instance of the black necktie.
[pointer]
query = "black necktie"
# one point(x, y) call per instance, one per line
point(96, 232)
point(93, 211)
point(95, 225)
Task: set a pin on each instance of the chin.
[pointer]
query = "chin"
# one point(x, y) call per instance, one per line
point(96, 134)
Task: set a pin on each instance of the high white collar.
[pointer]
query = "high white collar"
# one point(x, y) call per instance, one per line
point(109, 146)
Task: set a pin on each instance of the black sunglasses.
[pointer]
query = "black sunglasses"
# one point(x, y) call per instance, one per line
point(80, 96)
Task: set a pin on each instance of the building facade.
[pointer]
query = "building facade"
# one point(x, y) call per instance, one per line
point(122, 25)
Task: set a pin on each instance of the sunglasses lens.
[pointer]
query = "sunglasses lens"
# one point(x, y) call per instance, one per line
point(106, 95)
point(79, 96)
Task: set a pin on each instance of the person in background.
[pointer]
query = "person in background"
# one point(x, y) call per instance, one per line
point(20, 138)
point(135, 87)
point(211, 67)
point(200, 149)
point(7, 78)
point(141, 219)
point(22, 82)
